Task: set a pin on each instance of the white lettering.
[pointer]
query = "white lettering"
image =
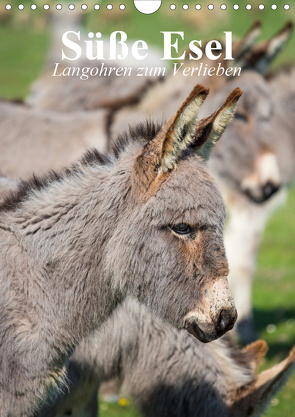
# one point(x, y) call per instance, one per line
point(71, 45)
point(168, 45)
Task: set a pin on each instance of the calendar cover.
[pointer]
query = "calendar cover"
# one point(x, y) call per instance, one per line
point(84, 88)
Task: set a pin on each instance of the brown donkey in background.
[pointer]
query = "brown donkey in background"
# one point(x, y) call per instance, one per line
point(73, 245)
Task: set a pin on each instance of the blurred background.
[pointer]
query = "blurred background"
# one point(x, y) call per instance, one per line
point(25, 38)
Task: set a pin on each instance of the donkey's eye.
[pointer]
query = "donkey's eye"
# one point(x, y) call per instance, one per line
point(182, 229)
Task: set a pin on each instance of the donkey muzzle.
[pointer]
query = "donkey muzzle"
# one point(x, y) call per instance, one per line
point(263, 193)
point(224, 321)
point(264, 180)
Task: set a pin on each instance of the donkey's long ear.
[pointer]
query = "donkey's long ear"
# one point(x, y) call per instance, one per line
point(252, 399)
point(180, 129)
point(210, 129)
point(242, 47)
point(162, 153)
point(258, 350)
point(262, 55)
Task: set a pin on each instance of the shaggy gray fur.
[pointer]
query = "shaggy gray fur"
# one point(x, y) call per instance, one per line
point(253, 132)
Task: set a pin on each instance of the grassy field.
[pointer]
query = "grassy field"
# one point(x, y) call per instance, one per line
point(23, 46)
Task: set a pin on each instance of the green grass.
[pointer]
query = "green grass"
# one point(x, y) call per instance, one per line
point(116, 410)
point(23, 47)
point(273, 297)
point(20, 64)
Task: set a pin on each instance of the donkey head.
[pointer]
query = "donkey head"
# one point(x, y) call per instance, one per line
point(172, 234)
point(247, 158)
point(260, 57)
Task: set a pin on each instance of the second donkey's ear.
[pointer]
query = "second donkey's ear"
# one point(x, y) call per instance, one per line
point(257, 351)
point(261, 57)
point(242, 47)
point(211, 128)
point(252, 399)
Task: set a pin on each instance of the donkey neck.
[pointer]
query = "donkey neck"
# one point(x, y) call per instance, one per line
point(62, 231)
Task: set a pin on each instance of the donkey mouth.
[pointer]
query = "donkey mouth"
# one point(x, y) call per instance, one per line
point(193, 328)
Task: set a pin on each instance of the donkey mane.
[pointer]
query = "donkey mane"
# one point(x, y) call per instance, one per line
point(37, 183)
point(144, 132)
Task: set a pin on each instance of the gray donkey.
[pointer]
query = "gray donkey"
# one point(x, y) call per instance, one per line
point(249, 164)
point(167, 372)
point(246, 163)
point(75, 244)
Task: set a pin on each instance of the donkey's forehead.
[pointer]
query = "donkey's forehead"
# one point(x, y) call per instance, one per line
point(189, 195)
point(257, 103)
point(257, 99)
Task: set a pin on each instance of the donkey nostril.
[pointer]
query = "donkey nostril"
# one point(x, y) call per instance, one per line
point(222, 324)
point(226, 320)
point(222, 320)
point(269, 189)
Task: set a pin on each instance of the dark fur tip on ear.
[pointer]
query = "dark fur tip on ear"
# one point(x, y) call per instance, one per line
point(244, 45)
point(263, 54)
point(257, 24)
point(198, 90)
point(288, 27)
point(233, 96)
point(230, 101)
